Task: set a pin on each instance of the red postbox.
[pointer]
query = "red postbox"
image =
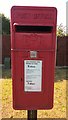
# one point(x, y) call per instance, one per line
point(33, 50)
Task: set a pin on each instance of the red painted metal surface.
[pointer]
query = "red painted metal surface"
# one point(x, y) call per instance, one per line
point(33, 29)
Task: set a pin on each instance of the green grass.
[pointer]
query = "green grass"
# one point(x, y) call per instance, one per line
point(59, 109)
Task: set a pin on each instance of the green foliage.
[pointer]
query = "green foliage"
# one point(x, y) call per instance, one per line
point(61, 30)
point(67, 34)
point(5, 24)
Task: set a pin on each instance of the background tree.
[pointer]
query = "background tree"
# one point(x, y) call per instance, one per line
point(5, 24)
point(61, 30)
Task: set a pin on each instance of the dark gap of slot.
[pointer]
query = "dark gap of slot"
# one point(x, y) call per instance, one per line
point(33, 29)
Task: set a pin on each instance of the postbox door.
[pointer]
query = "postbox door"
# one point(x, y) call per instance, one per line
point(42, 44)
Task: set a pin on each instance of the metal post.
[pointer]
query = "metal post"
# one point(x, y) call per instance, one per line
point(32, 114)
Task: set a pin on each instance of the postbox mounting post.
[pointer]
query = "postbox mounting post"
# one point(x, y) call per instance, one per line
point(32, 114)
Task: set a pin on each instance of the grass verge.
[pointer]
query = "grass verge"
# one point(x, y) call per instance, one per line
point(59, 109)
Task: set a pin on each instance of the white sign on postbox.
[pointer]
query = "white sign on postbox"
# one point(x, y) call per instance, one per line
point(32, 75)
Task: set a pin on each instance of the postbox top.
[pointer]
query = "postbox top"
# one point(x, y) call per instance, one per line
point(30, 15)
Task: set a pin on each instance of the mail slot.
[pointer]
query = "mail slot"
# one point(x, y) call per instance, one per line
point(33, 51)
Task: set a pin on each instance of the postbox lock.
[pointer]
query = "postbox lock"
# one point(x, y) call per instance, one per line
point(33, 54)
